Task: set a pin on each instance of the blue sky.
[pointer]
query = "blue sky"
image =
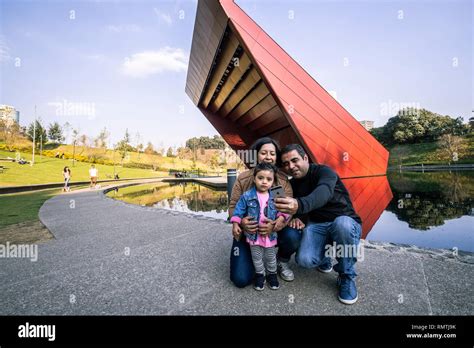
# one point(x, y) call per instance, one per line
point(122, 64)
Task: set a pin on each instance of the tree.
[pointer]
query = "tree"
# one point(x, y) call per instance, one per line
point(400, 152)
point(10, 132)
point(219, 142)
point(215, 160)
point(83, 139)
point(66, 129)
point(123, 146)
point(55, 133)
point(183, 153)
point(38, 133)
point(75, 135)
point(101, 140)
point(138, 139)
point(169, 153)
point(412, 125)
point(451, 147)
point(139, 149)
point(149, 150)
point(216, 142)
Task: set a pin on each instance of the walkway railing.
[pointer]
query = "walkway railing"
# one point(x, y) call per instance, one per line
point(423, 168)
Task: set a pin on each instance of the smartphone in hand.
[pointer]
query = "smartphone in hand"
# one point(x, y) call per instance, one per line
point(277, 192)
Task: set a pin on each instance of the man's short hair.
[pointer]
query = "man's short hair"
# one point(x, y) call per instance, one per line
point(291, 147)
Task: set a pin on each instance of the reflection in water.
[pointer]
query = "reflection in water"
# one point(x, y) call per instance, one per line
point(433, 210)
point(425, 209)
point(428, 200)
point(184, 196)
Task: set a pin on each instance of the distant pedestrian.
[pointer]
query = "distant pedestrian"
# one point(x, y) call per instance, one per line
point(67, 179)
point(93, 173)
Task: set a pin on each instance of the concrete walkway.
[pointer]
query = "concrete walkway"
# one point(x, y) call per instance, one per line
point(109, 257)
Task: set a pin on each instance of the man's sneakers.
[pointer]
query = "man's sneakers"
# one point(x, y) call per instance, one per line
point(259, 282)
point(325, 267)
point(272, 280)
point(347, 290)
point(285, 271)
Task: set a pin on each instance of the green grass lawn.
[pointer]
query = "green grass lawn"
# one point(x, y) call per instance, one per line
point(428, 153)
point(23, 207)
point(49, 170)
point(412, 154)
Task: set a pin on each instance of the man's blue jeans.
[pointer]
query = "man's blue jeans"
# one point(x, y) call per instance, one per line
point(344, 231)
point(241, 265)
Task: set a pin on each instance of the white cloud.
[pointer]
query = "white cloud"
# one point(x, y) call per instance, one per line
point(148, 63)
point(163, 16)
point(131, 28)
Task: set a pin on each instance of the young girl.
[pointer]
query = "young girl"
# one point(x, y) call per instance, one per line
point(259, 204)
point(67, 178)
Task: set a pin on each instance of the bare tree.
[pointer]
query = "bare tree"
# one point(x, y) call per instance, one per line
point(75, 135)
point(101, 140)
point(451, 146)
point(66, 129)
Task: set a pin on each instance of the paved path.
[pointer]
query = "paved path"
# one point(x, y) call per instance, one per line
point(110, 257)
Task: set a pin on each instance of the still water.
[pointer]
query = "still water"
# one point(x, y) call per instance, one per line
point(431, 210)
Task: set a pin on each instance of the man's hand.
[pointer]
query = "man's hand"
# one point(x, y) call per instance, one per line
point(249, 225)
point(287, 205)
point(266, 227)
point(296, 223)
point(280, 224)
point(236, 230)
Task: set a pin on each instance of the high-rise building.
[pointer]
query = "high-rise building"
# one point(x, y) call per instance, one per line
point(8, 112)
point(368, 125)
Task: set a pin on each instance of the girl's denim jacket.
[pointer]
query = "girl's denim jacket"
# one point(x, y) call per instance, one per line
point(248, 205)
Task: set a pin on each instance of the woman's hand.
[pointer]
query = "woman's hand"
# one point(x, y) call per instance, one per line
point(249, 225)
point(280, 224)
point(236, 230)
point(296, 223)
point(266, 227)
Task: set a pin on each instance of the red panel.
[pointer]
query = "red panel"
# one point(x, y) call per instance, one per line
point(291, 85)
point(317, 120)
point(232, 134)
point(340, 144)
point(370, 196)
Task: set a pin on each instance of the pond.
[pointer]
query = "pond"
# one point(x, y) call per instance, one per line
point(186, 197)
point(431, 210)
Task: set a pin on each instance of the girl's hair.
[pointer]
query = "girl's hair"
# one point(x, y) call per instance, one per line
point(65, 168)
point(265, 166)
point(257, 145)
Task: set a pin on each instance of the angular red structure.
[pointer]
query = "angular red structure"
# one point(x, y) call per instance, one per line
point(370, 196)
point(248, 87)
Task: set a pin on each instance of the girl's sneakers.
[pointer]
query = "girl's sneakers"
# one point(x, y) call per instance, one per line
point(259, 282)
point(273, 281)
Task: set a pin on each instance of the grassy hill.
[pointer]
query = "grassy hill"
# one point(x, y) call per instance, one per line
point(49, 170)
point(429, 153)
point(55, 157)
point(131, 160)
